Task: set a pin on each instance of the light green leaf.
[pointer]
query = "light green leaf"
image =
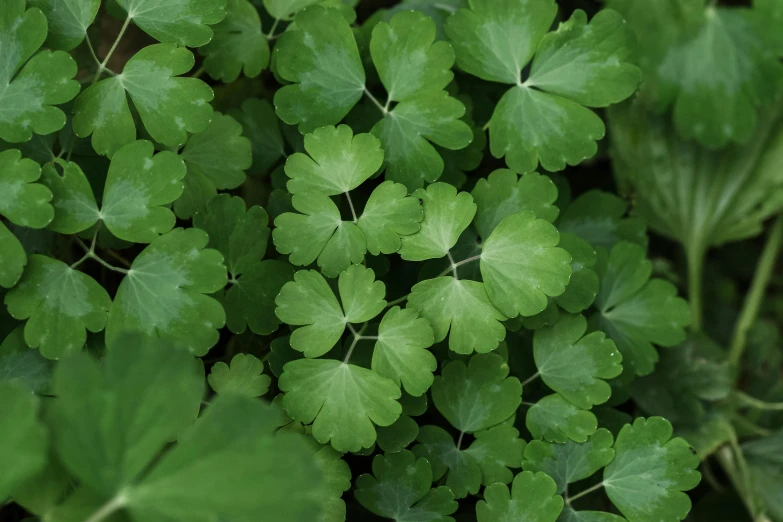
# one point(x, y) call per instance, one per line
point(337, 480)
point(245, 377)
point(23, 443)
point(21, 366)
point(570, 462)
point(60, 303)
point(583, 286)
point(239, 45)
point(216, 159)
point(401, 353)
point(343, 401)
point(522, 266)
point(27, 99)
point(139, 187)
point(321, 59)
point(636, 311)
point(532, 498)
point(407, 58)
point(478, 395)
point(163, 293)
point(600, 219)
point(650, 471)
point(22, 200)
point(388, 216)
point(463, 307)
point(12, 258)
point(502, 193)
point(338, 161)
point(555, 419)
point(185, 23)
point(308, 301)
point(74, 201)
point(68, 20)
point(446, 215)
point(407, 130)
point(169, 107)
point(261, 125)
point(399, 489)
point(574, 364)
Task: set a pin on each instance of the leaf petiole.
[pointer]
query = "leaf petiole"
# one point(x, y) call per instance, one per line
point(581, 494)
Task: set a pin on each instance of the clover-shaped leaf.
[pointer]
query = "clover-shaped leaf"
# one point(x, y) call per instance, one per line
point(163, 292)
point(600, 219)
point(244, 376)
point(239, 45)
point(262, 127)
point(583, 285)
point(22, 200)
point(74, 201)
point(68, 20)
point(12, 258)
point(185, 23)
point(555, 419)
point(388, 217)
point(309, 302)
point(44, 79)
point(532, 498)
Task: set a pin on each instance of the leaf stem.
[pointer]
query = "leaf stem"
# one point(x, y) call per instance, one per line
point(585, 492)
point(271, 32)
point(108, 509)
point(92, 51)
point(90, 253)
point(456, 264)
point(459, 440)
point(102, 65)
point(357, 336)
point(752, 402)
point(695, 257)
point(758, 287)
point(198, 72)
point(350, 203)
point(531, 379)
point(397, 301)
point(378, 104)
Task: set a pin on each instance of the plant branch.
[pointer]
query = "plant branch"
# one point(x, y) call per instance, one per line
point(357, 336)
point(90, 253)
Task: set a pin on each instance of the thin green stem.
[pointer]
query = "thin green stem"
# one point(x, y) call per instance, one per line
point(585, 492)
point(198, 72)
point(91, 250)
point(108, 509)
point(750, 309)
point(456, 264)
point(92, 51)
point(695, 257)
point(459, 440)
point(357, 336)
point(397, 301)
point(350, 204)
point(378, 104)
point(90, 253)
point(751, 402)
point(531, 379)
point(102, 65)
point(271, 32)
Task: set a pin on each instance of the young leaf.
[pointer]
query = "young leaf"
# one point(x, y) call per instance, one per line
point(12, 258)
point(574, 364)
point(307, 301)
point(399, 489)
point(60, 303)
point(22, 200)
point(478, 395)
point(244, 377)
point(185, 23)
point(163, 293)
point(521, 265)
point(68, 20)
point(239, 45)
point(27, 98)
point(555, 419)
point(532, 498)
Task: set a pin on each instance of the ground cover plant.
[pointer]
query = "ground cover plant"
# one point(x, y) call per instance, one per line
point(428, 261)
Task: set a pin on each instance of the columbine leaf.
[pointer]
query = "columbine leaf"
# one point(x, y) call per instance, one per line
point(555, 419)
point(60, 303)
point(337, 480)
point(184, 23)
point(399, 488)
point(286, 9)
point(338, 161)
point(650, 471)
point(504, 193)
point(446, 215)
point(574, 364)
point(261, 125)
point(243, 377)
point(521, 265)
point(308, 301)
point(74, 201)
point(388, 216)
point(169, 107)
point(478, 395)
point(343, 401)
point(570, 462)
point(599, 218)
point(42, 81)
point(239, 45)
point(401, 353)
point(532, 498)
point(583, 286)
point(636, 311)
point(323, 62)
point(163, 292)
point(12, 258)
point(22, 200)
point(21, 366)
point(68, 20)
point(399, 435)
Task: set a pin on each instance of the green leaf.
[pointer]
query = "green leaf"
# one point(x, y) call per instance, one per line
point(502, 193)
point(307, 301)
point(636, 311)
point(139, 187)
point(555, 419)
point(22, 200)
point(522, 266)
point(321, 59)
point(407, 58)
point(60, 303)
point(68, 20)
point(239, 45)
point(574, 364)
point(24, 441)
point(463, 307)
point(12, 258)
point(650, 471)
point(388, 216)
point(343, 401)
point(250, 302)
point(399, 489)
point(408, 132)
point(446, 215)
point(478, 395)
point(337, 480)
point(27, 99)
point(583, 286)
point(74, 201)
point(21, 366)
point(261, 126)
point(532, 498)
point(338, 161)
point(286, 9)
point(244, 377)
point(569, 515)
point(570, 462)
point(184, 23)
point(401, 353)
point(110, 422)
point(169, 107)
point(163, 293)
point(600, 219)
point(398, 436)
